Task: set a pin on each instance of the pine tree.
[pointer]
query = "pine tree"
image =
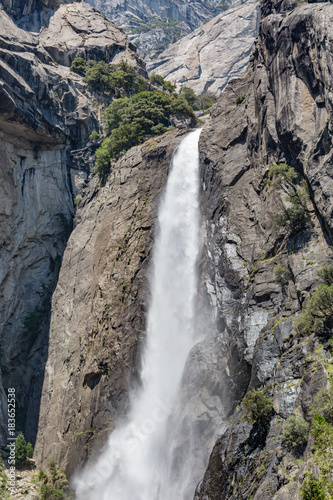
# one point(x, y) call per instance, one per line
point(30, 450)
point(20, 450)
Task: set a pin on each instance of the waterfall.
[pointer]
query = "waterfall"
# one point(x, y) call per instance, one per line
point(134, 465)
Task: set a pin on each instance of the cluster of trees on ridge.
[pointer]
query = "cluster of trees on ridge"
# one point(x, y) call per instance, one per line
point(141, 108)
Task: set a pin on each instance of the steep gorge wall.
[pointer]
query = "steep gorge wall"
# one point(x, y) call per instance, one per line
point(152, 25)
point(46, 112)
point(99, 307)
point(212, 55)
point(280, 111)
point(273, 114)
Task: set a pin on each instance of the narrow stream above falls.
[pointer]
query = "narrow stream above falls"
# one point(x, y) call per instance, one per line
point(136, 463)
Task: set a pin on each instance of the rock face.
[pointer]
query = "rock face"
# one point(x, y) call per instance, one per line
point(19, 8)
point(152, 26)
point(218, 51)
point(279, 111)
point(99, 307)
point(45, 112)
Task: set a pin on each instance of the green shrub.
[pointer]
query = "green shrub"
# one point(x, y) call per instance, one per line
point(109, 77)
point(155, 78)
point(79, 66)
point(295, 432)
point(94, 136)
point(281, 173)
point(282, 274)
point(323, 404)
point(206, 101)
point(53, 470)
point(198, 103)
point(317, 315)
point(129, 121)
point(97, 75)
point(326, 274)
point(189, 95)
point(260, 407)
point(299, 196)
point(321, 412)
point(42, 477)
point(102, 162)
point(3, 481)
point(48, 492)
point(318, 312)
point(313, 489)
point(30, 450)
point(294, 219)
point(53, 484)
point(23, 451)
point(240, 99)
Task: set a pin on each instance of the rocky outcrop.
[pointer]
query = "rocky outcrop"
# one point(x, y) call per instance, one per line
point(248, 341)
point(99, 307)
point(46, 111)
point(279, 111)
point(152, 26)
point(207, 59)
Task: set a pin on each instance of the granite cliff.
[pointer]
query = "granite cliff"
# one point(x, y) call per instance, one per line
point(46, 113)
point(216, 52)
point(152, 26)
point(279, 112)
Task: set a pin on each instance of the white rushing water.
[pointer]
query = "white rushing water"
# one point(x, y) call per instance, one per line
point(134, 465)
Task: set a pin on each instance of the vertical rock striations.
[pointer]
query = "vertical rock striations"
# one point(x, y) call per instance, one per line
point(213, 54)
point(279, 112)
point(99, 307)
point(46, 111)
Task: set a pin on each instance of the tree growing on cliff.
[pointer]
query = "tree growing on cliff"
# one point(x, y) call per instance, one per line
point(154, 78)
point(282, 274)
point(296, 217)
point(313, 489)
point(259, 407)
point(198, 103)
point(110, 78)
point(295, 432)
point(318, 313)
point(130, 121)
point(23, 451)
